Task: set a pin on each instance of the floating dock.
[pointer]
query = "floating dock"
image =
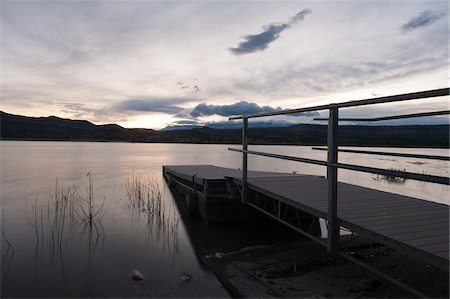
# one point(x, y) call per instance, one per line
point(409, 225)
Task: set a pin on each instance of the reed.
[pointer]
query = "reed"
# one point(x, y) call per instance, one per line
point(90, 211)
point(144, 195)
point(8, 254)
point(65, 206)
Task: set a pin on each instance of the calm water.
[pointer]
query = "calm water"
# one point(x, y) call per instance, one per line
point(75, 259)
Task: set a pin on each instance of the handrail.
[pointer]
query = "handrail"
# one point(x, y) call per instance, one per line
point(402, 116)
point(397, 173)
point(429, 157)
point(332, 163)
point(389, 99)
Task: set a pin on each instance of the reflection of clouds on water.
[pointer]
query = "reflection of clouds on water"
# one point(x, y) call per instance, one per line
point(129, 239)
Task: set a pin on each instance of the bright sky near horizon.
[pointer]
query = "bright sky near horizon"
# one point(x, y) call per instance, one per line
point(154, 63)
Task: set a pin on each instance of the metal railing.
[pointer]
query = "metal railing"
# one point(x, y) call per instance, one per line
point(332, 163)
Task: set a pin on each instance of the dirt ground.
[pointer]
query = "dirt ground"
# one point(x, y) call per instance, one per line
point(305, 270)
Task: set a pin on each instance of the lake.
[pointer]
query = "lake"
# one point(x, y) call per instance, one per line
point(63, 254)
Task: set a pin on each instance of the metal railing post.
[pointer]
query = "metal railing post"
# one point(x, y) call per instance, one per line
point(244, 160)
point(333, 226)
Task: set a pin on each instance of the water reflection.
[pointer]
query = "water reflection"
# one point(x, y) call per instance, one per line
point(71, 221)
point(45, 257)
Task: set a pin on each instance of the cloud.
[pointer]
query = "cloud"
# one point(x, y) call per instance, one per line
point(425, 18)
point(239, 108)
point(299, 16)
point(261, 41)
point(164, 105)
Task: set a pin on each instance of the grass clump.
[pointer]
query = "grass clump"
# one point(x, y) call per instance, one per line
point(144, 195)
point(391, 178)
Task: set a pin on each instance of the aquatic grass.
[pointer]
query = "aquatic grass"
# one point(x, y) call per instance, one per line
point(145, 197)
point(90, 211)
point(391, 178)
point(8, 254)
point(64, 208)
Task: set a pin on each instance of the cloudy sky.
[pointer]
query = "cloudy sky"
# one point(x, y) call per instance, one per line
point(150, 64)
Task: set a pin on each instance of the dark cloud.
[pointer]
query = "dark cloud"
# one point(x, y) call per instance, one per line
point(425, 18)
point(165, 105)
point(239, 108)
point(299, 16)
point(183, 85)
point(260, 42)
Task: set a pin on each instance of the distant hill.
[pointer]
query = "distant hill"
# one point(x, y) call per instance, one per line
point(54, 128)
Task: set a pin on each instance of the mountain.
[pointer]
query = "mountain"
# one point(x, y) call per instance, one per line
point(55, 128)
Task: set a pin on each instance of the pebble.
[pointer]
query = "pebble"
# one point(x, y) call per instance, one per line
point(136, 275)
point(185, 276)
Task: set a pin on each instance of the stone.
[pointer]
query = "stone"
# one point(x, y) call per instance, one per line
point(185, 276)
point(136, 275)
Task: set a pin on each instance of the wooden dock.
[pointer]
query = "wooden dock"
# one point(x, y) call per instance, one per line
point(410, 225)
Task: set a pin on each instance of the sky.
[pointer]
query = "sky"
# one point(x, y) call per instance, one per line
point(150, 64)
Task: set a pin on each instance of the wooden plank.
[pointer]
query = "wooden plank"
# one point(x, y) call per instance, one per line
point(381, 214)
point(387, 231)
point(306, 208)
point(365, 195)
point(373, 225)
point(396, 223)
point(428, 241)
point(383, 209)
point(443, 254)
point(210, 172)
point(435, 247)
point(421, 234)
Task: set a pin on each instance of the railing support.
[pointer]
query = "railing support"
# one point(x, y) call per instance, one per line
point(333, 225)
point(244, 160)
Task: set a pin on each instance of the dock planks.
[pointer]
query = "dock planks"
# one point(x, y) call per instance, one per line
point(405, 223)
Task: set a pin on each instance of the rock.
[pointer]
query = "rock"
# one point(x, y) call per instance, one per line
point(185, 276)
point(136, 275)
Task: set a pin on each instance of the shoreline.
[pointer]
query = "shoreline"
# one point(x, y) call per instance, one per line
point(218, 143)
point(301, 269)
